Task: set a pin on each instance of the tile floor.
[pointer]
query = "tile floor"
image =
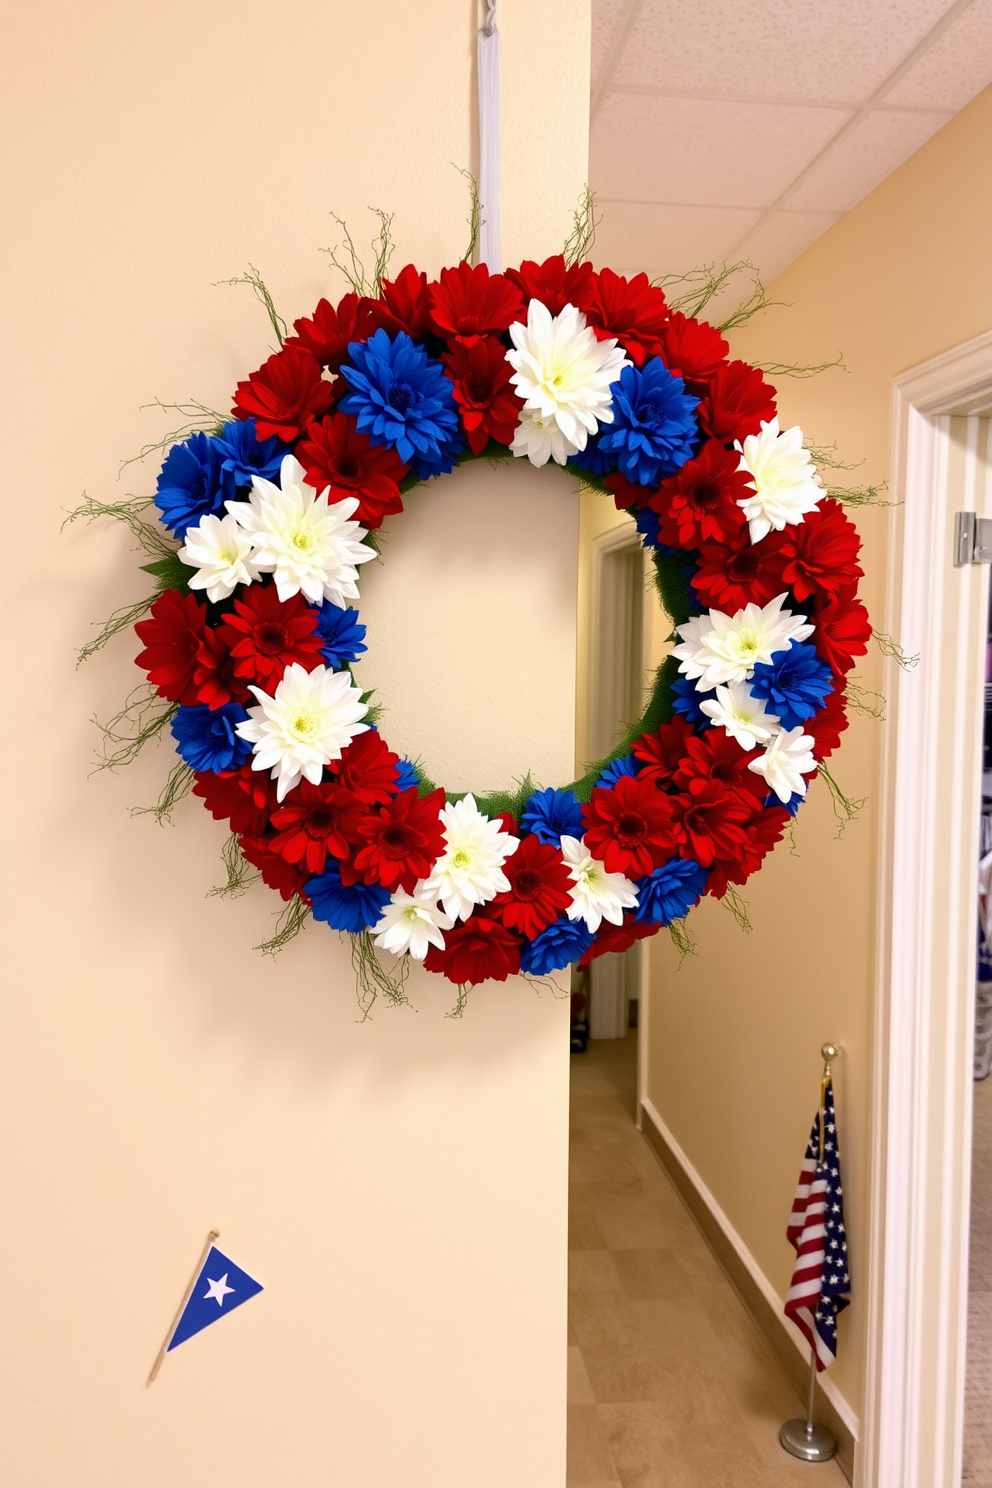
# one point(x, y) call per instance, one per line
point(670, 1384)
point(978, 1389)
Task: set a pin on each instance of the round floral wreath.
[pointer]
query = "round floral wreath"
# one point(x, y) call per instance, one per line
point(252, 637)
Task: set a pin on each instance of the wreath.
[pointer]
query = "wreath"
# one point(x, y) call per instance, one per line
point(249, 645)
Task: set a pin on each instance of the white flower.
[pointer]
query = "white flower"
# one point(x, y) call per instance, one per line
point(470, 870)
point(784, 763)
point(596, 894)
point(725, 648)
point(736, 709)
point(412, 922)
point(222, 553)
point(311, 718)
point(563, 373)
point(307, 542)
point(783, 476)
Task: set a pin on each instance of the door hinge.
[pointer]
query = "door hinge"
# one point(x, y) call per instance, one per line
point(972, 538)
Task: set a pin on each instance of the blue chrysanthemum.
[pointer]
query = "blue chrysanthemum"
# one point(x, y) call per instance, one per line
point(792, 805)
point(653, 431)
point(686, 700)
point(351, 907)
point(794, 684)
point(670, 891)
point(342, 634)
point(402, 399)
point(244, 456)
point(594, 457)
point(206, 738)
point(551, 815)
point(626, 765)
point(406, 775)
point(563, 942)
point(190, 483)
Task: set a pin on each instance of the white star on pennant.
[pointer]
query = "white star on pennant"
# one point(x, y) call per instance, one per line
point(218, 1290)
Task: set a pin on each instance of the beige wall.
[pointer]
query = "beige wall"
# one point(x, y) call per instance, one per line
point(398, 1186)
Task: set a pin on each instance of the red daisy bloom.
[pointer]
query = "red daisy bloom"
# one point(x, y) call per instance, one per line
point(284, 394)
point(286, 878)
point(171, 636)
point(267, 634)
point(714, 755)
point(408, 302)
point(826, 726)
point(216, 676)
point(617, 937)
point(367, 768)
point(315, 820)
point(699, 503)
point(762, 831)
point(732, 575)
point(737, 401)
point(540, 887)
point(629, 826)
point(626, 493)
point(334, 454)
point(843, 630)
point(329, 331)
point(468, 303)
point(693, 349)
point(403, 839)
point(244, 797)
point(551, 282)
point(709, 823)
point(480, 950)
point(480, 375)
point(662, 752)
point(821, 552)
point(632, 310)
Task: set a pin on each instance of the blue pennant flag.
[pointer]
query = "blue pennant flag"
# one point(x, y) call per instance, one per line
point(220, 1287)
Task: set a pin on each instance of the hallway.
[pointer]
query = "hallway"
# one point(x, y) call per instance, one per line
point(670, 1384)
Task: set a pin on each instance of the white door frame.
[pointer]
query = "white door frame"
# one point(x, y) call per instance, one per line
point(921, 1162)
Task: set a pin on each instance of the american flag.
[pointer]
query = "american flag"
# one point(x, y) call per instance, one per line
point(821, 1286)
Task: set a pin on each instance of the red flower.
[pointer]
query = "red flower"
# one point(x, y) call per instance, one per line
point(714, 755)
point(843, 630)
point(539, 890)
point(267, 634)
point(469, 303)
point(403, 839)
point(284, 394)
point(244, 797)
point(407, 301)
point(171, 637)
point(762, 831)
point(367, 768)
point(629, 827)
point(286, 878)
point(826, 726)
point(335, 454)
point(821, 552)
point(480, 950)
point(316, 820)
point(692, 349)
point(328, 333)
point(632, 310)
point(662, 752)
point(618, 938)
point(699, 503)
point(551, 283)
point(626, 493)
point(481, 376)
point(732, 575)
point(737, 402)
point(216, 676)
point(708, 823)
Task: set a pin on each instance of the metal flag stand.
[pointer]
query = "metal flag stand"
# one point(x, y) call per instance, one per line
point(805, 1439)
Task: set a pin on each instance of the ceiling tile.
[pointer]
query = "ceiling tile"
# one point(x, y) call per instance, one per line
point(842, 50)
point(716, 154)
point(607, 16)
point(781, 237)
point(876, 145)
point(955, 68)
point(663, 239)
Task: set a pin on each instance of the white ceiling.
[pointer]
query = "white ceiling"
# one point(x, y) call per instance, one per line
point(729, 129)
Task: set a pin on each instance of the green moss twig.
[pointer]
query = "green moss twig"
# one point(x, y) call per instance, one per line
point(288, 926)
point(795, 369)
point(578, 244)
point(846, 809)
point(462, 1001)
point(122, 619)
point(890, 647)
point(865, 700)
point(196, 418)
point(372, 977)
point(825, 456)
point(257, 284)
point(351, 266)
point(151, 539)
point(682, 939)
point(699, 286)
point(240, 873)
point(860, 495)
point(475, 218)
point(175, 789)
point(142, 718)
point(738, 908)
point(545, 984)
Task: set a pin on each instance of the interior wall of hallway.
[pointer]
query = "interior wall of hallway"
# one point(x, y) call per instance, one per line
point(398, 1185)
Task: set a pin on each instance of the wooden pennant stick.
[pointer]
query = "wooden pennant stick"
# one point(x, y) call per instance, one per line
point(182, 1306)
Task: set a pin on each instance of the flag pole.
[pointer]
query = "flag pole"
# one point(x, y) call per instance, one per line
point(214, 1234)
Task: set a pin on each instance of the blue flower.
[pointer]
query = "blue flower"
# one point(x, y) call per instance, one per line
point(626, 765)
point(594, 457)
point(685, 699)
point(795, 683)
point(406, 775)
point(402, 399)
point(653, 431)
point(341, 633)
point(206, 736)
point(792, 805)
point(190, 483)
point(563, 942)
point(243, 456)
point(351, 907)
point(670, 891)
point(551, 815)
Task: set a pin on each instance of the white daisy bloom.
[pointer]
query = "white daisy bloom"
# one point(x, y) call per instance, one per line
point(411, 923)
point(787, 759)
point(596, 894)
point(309, 720)
point(722, 648)
point(470, 870)
point(736, 709)
point(783, 476)
point(222, 553)
point(304, 540)
point(563, 374)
